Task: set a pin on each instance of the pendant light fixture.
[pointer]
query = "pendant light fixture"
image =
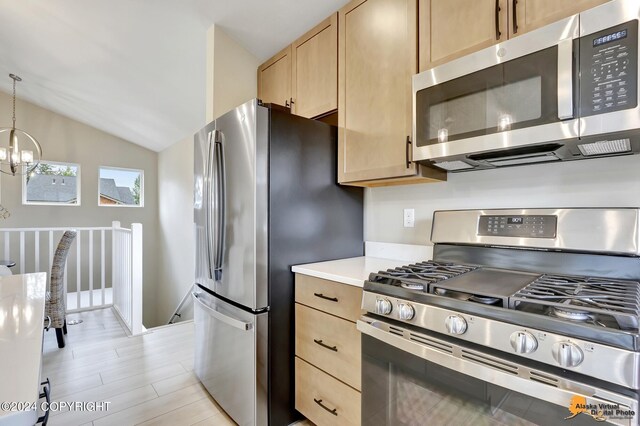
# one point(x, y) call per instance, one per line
point(23, 153)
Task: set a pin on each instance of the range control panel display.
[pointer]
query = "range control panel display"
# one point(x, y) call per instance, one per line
point(526, 226)
point(609, 70)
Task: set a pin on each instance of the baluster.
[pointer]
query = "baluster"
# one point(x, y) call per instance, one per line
point(91, 268)
point(102, 271)
point(7, 245)
point(78, 271)
point(51, 260)
point(36, 237)
point(66, 286)
point(22, 252)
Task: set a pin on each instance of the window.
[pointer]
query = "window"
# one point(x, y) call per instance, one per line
point(121, 187)
point(52, 183)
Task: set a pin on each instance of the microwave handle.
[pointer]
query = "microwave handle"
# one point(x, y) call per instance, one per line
point(565, 79)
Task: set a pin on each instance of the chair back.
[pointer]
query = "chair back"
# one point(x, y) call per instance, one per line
point(56, 288)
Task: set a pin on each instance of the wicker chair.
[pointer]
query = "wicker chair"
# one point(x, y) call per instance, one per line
point(56, 302)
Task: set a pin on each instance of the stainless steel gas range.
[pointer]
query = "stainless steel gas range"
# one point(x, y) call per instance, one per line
point(524, 316)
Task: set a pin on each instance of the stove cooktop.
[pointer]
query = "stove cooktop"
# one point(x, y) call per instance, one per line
point(418, 276)
point(601, 302)
point(604, 302)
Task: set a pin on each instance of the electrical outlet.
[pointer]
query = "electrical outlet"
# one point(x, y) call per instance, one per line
point(409, 218)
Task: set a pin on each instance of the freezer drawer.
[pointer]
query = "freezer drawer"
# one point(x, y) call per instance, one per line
point(231, 356)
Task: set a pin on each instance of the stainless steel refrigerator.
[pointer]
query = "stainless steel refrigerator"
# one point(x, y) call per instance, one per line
point(265, 198)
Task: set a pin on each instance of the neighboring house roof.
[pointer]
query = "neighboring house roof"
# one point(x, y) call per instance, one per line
point(62, 189)
point(120, 194)
point(48, 188)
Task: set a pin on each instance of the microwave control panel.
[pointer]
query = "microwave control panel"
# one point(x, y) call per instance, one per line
point(524, 226)
point(609, 70)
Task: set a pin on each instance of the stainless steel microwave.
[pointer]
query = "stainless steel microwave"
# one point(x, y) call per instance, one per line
point(567, 91)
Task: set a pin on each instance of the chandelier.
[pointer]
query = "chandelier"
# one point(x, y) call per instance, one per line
point(15, 160)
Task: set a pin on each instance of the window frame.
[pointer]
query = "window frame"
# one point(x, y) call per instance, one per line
point(78, 202)
point(127, 169)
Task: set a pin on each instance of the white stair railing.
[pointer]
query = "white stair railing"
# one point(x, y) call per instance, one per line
point(87, 286)
point(127, 275)
point(96, 268)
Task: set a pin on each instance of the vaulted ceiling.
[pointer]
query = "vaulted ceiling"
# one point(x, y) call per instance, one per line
point(135, 68)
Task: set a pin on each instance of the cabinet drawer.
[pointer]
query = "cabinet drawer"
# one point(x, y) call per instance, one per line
point(341, 300)
point(323, 399)
point(330, 343)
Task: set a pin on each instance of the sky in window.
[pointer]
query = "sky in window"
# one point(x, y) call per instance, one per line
point(122, 177)
point(56, 169)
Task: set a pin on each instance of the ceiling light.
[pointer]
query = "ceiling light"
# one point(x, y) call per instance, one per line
point(14, 160)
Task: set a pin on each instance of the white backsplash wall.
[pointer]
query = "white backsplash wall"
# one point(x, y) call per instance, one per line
point(604, 182)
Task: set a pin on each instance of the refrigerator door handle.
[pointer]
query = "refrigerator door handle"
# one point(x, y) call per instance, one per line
point(207, 203)
point(221, 198)
point(233, 322)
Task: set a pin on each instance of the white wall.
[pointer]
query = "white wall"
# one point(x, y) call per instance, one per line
point(231, 81)
point(231, 73)
point(176, 237)
point(606, 182)
point(67, 140)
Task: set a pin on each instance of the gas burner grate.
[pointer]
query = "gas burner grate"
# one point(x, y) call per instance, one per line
point(584, 296)
point(418, 276)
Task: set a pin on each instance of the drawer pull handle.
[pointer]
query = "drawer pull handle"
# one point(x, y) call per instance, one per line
point(498, 9)
point(324, 345)
point(319, 402)
point(322, 296)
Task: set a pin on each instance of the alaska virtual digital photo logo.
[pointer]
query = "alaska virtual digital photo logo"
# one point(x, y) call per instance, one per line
point(600, 412)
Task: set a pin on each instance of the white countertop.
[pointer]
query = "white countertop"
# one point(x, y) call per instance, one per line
point(21, 326)
point(353, 271)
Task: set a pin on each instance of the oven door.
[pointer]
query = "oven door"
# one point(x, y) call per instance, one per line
point(520, 92)
point(410, 378)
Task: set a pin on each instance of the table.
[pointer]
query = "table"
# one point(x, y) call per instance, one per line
point(22, 299)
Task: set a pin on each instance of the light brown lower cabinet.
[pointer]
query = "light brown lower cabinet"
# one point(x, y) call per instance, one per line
point(323, 399)
point(330, 343)
point(328, 351)
point(340, 300)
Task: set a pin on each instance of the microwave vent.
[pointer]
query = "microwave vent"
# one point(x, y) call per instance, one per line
point(453, 165)
point(605, 147)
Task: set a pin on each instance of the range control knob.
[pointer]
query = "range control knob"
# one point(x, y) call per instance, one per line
point(567, 354)
point(455, 324)
point(523, 342)
point(405, 312)
point(383, 306)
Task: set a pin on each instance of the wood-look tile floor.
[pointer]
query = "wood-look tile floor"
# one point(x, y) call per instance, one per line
point(147, 379)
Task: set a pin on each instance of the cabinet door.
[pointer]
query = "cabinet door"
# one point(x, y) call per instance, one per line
point(377, 58)
point(450, 29)
point(315, 70)
point(274, 79)
point(527, 15)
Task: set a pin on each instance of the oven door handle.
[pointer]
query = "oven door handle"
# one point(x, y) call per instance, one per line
point(565, 79)
point(492, 369)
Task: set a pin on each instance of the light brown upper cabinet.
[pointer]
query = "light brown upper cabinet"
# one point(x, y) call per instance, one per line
point(305, 74)
point(377, 56)
point(527, 15)
point(274, 79)
point(450, 29)
point(315, 70)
